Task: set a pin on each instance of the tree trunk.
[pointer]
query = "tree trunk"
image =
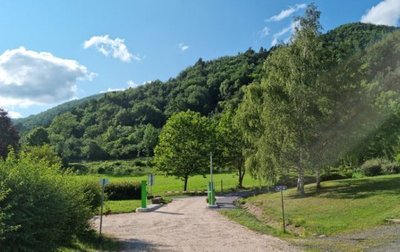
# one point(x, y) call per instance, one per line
point(318, 178)
point(242, 171)
point(300, 176)
point(186, 178)
point(300, 181)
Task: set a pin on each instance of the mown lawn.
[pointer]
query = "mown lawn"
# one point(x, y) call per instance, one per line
point(340, 206)
point(164, 184)
point(121, 206)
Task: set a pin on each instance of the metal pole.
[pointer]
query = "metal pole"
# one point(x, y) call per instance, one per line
point(211, 165)
point(103, 182)
point(222, 187)
point(283, 213)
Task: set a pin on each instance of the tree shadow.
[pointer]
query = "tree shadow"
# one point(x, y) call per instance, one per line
point(139, 245)
point(361, 188)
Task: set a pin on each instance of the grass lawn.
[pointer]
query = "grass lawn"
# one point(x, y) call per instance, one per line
point(340, 206)
point(121, 206)
point(196, 183)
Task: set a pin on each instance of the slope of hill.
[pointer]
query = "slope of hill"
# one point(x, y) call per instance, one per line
point(126, 124)
point(46, 117)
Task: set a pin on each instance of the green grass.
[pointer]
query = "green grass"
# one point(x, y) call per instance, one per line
point(248, 220)
point(196, 183)
point(340, 206)
point(91, 241)
point(121, 206)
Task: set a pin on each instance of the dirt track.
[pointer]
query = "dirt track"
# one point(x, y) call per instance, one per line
point(187, 225)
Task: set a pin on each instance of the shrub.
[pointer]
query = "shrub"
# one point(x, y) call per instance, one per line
point(391, 168)
point(40, 208)
point(332, 176)
point(123, 191)
point(372, 167)
point(92, 192)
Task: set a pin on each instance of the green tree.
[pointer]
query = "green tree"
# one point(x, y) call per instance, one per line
point(293, 101)
point(231, 144)
point(37, 137)
point(44, 152)
point(8, 134)
point(184, 146)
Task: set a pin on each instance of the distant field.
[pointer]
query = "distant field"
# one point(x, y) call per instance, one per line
point(196, 183)
point(340, 206)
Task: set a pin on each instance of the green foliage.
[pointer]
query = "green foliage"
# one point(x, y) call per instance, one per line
point(37, 137)
point(8, 134)
point(372, 167)
point(231, 145)
point(291, 102)
point(45, 153)
point(184, 147)
point(123, 191)
point(41, 209)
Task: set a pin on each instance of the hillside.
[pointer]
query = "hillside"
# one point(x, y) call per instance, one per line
point(126, 124)
point(45, 118)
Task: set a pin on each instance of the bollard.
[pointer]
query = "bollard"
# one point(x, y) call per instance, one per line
point(144, 194)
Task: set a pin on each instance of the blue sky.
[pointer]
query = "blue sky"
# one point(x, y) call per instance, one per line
point(55, 51)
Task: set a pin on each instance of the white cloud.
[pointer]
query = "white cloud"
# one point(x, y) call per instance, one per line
point(14, 114)
point(290, 29)
point(386, 12)
point(112, 90)
point(114, 47)
point(29, 77)
point(183, 47)
point(265, 32)
point(286, 13)
point(130, 83)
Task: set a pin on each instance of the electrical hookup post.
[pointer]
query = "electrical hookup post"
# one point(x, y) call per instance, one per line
point(103, 183)
point(281, 188)
point(211, 187)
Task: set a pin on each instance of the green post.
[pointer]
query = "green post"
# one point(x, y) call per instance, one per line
point(144, 194)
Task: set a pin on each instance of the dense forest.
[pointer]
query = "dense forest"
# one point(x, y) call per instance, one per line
point(127, 124)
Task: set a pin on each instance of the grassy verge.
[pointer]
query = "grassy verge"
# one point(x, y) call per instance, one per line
point(339, 207)
point(248, 220)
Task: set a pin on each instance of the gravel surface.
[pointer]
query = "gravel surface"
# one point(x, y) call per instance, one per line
point(186, 224)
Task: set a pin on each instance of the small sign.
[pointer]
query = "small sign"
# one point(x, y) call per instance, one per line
point(104, 181)
point(280, 188)
point(150, 179)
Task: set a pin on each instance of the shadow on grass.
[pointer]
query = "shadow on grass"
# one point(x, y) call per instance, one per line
point(357, 188)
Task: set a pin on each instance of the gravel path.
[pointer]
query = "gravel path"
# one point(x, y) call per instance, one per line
point(187, 225)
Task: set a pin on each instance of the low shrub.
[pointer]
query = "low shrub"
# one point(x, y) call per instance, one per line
point(123, 191)
point(372, 167)
point(391, 168)
point(41, 209)
point(332, 176)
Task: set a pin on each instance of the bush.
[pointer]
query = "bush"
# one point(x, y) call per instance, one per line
point(123, 191)
point(40, 208)
point(332, 176)
point(372, 167)
point(92, 192)
point(391, 168)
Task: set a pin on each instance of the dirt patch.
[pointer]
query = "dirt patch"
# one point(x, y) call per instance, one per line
point(187, 225)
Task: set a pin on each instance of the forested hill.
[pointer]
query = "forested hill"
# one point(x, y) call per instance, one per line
point(46, 117)
point(126, 124)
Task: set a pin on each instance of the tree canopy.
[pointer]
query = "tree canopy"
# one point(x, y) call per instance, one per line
point(184, 147)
